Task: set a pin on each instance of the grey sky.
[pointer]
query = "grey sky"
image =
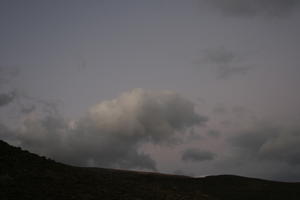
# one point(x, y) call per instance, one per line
point(58, 59)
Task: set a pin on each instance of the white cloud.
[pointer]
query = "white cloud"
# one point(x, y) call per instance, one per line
point(112, 132)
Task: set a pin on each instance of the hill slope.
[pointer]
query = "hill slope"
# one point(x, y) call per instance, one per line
point(24, 175)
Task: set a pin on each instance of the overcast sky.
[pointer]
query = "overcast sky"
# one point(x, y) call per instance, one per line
point(195, 87)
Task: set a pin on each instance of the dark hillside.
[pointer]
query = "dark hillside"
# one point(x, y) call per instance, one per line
point(24, 175)
point(236, 187)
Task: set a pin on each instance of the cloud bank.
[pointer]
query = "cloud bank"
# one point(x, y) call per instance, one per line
point(270, 144)
point(6, 98)
point(196, 155)
point(112, 132)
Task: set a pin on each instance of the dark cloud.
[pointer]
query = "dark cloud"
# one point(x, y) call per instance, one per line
point(250, 141)
point(239, 110)
point(284, 147)
point(270, 144)
point(219, 56)
point(220, 109)
point(6, 98)
point(213, 133)
point(112, 132)
point(250, 8)
point(27, 104)
point(196, 155)
point(5, 133)
point(264, 151)
point(27, 109)
point(227, 63)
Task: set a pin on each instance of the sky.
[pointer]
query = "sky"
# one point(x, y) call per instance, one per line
point(193, 87)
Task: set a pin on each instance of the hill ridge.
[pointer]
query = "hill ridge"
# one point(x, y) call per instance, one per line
point(24, 175)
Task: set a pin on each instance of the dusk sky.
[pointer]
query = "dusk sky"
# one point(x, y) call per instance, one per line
point(193, 87)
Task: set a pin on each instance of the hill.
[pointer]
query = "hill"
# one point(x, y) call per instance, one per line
point(24, 175)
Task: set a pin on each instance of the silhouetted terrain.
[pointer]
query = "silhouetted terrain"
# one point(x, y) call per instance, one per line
point(24, 175)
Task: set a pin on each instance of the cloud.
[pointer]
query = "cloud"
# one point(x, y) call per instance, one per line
point(219, 55)
point(6, 98)
point(226, 62)
point(284, 147)
point(250, 141)
point(250, 8)
point(220, 109)
point(270, 144)
point(112, 133)
point(5, 133)
point(213, 133)
point(6, 75)
point(196, 155)
point(264, 151)
point(27, 109)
